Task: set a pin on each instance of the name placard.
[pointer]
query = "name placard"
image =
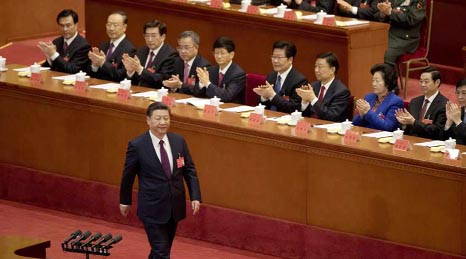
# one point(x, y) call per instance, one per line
point(351, 136)
point(216, 4)
point(255, 118)
point(253, 9)
point(402, 145)
point(290, 15)
point(80, 86)
point(210, 110)
point(123, 94)
point(302, 127)
point(36, 77)
point(168, 100)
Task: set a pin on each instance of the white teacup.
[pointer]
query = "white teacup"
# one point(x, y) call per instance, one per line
point(397, 134)
point(125, 84)
point(80, 77)
point(281, 10)
point(320, 17)
point(450, 143)
point(35, 68)
point(2, 63)
point(162, 92)
point(259, 109)
point(215, 101)
point(346, 125)
point(295, 117)
point(245, 4)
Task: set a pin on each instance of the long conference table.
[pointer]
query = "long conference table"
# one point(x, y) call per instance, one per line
point(412, 197)
point(358, 47)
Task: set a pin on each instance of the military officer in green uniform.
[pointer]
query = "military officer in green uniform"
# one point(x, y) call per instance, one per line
point(405, 18)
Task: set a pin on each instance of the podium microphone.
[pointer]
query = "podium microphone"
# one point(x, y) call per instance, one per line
point(93, 238)
point(103, 239)
point(114, 240)
point(72, 236)
point(82, 237)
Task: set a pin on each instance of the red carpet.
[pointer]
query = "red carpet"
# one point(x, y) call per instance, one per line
point(24, 220)
point(213, 224)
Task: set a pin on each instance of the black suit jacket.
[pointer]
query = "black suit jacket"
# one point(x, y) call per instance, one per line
point(113, 69)
point(179, 70)
point(366, 13)
point(74, 59)
point(160, 69)
point(232, 88)
point(335, 105)
point(287, 100)
point(158, 196)
point(436, 113)
point(457, 132)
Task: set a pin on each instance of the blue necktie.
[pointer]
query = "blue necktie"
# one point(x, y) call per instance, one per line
point(278, 85)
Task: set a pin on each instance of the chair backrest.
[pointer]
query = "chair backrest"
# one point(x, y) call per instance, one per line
point(252, 81)
point(424, 41)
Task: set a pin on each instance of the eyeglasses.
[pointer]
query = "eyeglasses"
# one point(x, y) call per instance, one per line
point(185, 48)
point(151, 35)
point(114, 25)
point(276, 57)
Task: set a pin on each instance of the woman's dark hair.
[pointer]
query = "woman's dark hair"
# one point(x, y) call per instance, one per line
point(389, 75)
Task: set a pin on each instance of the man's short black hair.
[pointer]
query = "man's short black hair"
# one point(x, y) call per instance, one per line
point(331, 59)
point(289, 47)
point(156, 24)
point(156, 106)
point(66, 13)
point(224, 42)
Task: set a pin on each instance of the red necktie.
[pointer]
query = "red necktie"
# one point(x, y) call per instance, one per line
point(110, 51)
point(164, 160)
point(151, 59)
point(422, 114)
point(321, 94)
point(186, 72)
point(65, 46)
point(220, 79)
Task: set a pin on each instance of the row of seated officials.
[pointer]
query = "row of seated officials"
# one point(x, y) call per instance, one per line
point(285, 89)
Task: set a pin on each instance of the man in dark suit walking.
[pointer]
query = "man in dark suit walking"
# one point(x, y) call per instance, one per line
point(226, 80)
point(153, 63)
point(425, 116)
point(328, 98)
point(279, 91)
point(107, 61)
point(67, 53)
point(184, 76)
point(161, 161)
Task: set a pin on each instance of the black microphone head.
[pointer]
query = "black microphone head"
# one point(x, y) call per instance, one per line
point(73, 236)
point(82, 237)
point(103, 239)
point(93, 238)
point(114, 240)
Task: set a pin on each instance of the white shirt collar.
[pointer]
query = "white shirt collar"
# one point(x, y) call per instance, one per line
point(327, 86)
point(285, 74)
point(68, 41)
point(224, 71)
point(431, 98)
point(156, 51)
point(190, 62)
point(156, 140)
point(117, 41)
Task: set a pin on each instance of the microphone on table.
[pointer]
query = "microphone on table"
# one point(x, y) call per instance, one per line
point(112, 241)
point(72, 236)
point(96, 236)
point(82, 237)
point(103, 239)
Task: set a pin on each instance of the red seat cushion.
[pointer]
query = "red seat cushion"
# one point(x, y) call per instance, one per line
point(252, 81)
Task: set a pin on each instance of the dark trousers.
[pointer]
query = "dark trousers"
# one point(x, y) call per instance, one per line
point(161, 238)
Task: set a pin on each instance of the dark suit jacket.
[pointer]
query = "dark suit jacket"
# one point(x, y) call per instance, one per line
point(366, 13)
point(457, 132)
point(436, 113)
point(158, 196)
point(113, 69)
point(335, 105)
point(383, 118)
point(405, 24)
point(162, 67)
point(74, 59)
point(179, 70)
point(232, 88)
point(287, 100)
point(327, 6)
